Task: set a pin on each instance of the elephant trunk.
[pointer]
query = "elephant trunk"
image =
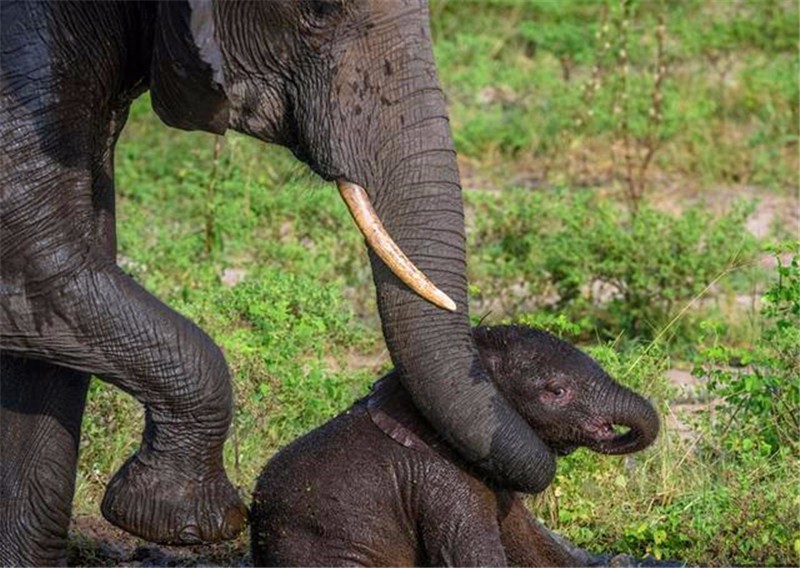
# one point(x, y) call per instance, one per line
point(383, 126)
point(418, 199)
point(628, 410)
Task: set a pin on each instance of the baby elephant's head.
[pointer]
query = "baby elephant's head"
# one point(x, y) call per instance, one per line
point(566, 397)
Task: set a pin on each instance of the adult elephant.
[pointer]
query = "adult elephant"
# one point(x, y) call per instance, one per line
point(351, 88)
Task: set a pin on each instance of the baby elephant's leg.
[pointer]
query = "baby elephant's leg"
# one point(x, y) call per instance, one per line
point(458, 521)
point(528, 543)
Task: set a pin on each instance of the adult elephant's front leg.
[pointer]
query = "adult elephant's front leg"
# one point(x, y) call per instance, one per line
point(97, 319)
point(41, 406)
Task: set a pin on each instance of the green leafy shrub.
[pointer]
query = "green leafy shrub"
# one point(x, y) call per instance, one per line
point(285, 336)
point(603, 268)
point(760, 400)
point(550, 88)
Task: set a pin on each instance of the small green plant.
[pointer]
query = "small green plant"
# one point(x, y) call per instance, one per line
point(760, 399)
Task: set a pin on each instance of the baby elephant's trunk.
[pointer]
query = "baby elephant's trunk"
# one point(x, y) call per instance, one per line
point(627, 410)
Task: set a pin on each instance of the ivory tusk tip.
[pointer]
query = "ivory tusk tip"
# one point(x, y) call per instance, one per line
point(446, 302)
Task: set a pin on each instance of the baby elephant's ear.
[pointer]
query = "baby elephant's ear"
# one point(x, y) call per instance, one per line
point(492, 346)
point(187, 80)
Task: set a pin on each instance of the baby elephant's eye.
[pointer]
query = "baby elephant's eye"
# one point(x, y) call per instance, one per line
point(557, 391)
point(556, 394)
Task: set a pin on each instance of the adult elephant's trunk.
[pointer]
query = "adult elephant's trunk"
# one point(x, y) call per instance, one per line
point(376, 118)
point(417, 196)
point(626, 409)
point(351, 89)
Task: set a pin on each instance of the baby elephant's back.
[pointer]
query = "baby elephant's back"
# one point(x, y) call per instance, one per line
point(323, 499)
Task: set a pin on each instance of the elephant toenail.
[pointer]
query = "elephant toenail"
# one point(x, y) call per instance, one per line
point(190, 534)
point(234, 521)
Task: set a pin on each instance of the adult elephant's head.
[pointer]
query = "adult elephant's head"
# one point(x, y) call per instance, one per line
point(351, 88)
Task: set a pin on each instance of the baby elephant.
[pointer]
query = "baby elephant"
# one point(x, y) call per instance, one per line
point(376, 486)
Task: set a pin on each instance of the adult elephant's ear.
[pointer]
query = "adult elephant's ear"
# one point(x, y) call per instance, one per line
point(186, 76)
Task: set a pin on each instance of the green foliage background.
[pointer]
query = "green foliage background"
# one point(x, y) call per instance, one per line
point(263, 255)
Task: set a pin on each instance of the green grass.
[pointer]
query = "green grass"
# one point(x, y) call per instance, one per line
point(644, 286)
point(729, 96)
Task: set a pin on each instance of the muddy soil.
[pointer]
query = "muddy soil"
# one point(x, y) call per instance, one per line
point(93, 541)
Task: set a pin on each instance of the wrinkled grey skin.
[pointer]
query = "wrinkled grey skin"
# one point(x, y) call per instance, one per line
point(376, 486)
point(351, 88)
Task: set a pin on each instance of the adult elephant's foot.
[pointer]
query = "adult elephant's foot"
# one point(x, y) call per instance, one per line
point(158, 502)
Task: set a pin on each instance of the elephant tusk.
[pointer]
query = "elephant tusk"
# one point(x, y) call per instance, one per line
point(383, 245)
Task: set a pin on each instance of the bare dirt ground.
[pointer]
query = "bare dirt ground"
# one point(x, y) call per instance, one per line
point(686, 408)
point(96, 542)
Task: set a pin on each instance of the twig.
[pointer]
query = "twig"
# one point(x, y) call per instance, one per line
point(210, 229)
point(622, 107)
point(655, 114)
point(584, 114)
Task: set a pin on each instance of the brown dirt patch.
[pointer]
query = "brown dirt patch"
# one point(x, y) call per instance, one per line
point(95, 542)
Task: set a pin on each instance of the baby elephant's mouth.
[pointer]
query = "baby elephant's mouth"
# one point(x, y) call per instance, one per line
point(606, 435)
point(608, 438)
point(605, 431)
